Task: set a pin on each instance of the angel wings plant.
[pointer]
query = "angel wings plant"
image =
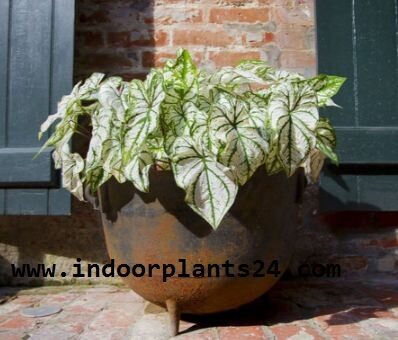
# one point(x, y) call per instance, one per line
point(213, 130)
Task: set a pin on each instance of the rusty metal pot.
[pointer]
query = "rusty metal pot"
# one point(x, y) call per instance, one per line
point(159, 228)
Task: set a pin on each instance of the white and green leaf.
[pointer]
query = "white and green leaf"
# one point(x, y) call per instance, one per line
point(293, 117)
point(137, 169)
point(313, 165)
point(147, 97)
point(326, 139)
point(101, 124)
point(246, 147)
point(72, 168)
point(326, 87)
point(272, 162)
point(210, 186)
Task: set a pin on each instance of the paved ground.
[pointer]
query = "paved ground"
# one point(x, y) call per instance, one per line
point(295, 309)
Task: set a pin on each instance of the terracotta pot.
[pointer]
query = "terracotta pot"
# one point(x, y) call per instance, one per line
point(159, 228)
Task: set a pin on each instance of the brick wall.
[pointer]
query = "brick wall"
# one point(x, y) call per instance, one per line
point(129, 37)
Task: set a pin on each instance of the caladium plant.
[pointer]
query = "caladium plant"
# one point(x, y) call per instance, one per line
point(213, 130)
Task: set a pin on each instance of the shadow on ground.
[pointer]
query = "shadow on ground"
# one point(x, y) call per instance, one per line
point(336, 302)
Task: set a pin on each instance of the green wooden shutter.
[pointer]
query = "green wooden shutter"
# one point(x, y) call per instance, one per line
point(36, 69)
point(358, 39)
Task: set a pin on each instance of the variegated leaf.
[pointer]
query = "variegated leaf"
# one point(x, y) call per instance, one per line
point(245, 145)
point(201, 127)
point(313, 165)
point(272, 162)
point(109, 97)
point(95, 173)
point(143, 119)
point(326, 87)
point(257, 67)
point(210, 186)
point(155, 145)
point(326, 139)
point(72, 166)
point(268, 74)
point(89, 89)
point(179, 106)
point(112, 151)
point(231, 77)
point(293, 116)
point(137, 169)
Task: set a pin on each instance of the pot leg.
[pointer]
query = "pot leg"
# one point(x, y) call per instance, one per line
point(174, 317)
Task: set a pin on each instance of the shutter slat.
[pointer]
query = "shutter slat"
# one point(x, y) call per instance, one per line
point(26, 202)
point(376, 48)
point(367, 145)
point(29, 70)
point(19, 169)
point(59, 202)
point(344, 192)
point(4, 21)
point(335, 55)
point(2, 201)
point(62, 51)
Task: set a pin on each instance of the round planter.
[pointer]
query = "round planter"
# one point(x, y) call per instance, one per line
point(159, 228)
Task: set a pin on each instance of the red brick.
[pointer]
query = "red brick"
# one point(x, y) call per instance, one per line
point(226, 58)
point(106, 61)
point(293, 15)
point(201, 37)
point(118, 39)
point(13, 336)
point(285, 331)
point(295, 40)
point(258, 39)
point(348, 219)
point(18, 322)
point(157, 59)
point(386, 218)
point(348, 331)
point(128, 39)
point(95, 17)
point(170, 16)
point(250, 15)
point(269, 37)
point(90, 39)
point(388, 298)
point(243, 332)
point(340, 325)
point(292, 3)
point(350, 263)
point(109, 319)
point(363, 313)
point(172, 2)
point(241, 3)
point(153, 59)
point(73, 323)
point(185, 325)
point(384, 242)
point(127, 76)
point(360, 219)
point(297, 59)
point(207, 334)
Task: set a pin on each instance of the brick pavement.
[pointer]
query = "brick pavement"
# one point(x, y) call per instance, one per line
point(294, 309)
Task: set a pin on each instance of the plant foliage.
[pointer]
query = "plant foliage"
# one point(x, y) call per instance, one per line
point(212, 130)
